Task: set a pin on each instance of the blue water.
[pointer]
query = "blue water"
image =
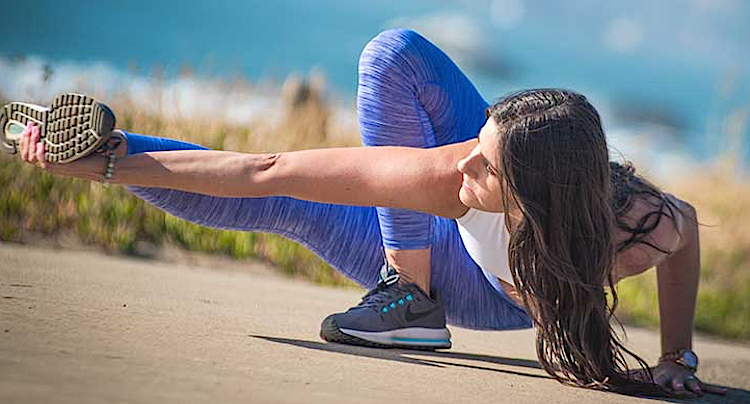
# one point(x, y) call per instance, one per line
point(676, 69)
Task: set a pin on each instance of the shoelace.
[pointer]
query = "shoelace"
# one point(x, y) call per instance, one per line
point(381, 294)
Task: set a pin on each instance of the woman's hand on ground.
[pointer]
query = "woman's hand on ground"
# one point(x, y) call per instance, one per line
point(679, 380)
point(32, 151)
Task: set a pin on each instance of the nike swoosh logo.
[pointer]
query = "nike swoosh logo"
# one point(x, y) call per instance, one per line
point(414, 316)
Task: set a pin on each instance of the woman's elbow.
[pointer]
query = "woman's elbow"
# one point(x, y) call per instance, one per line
point(250, 175)
point(685, 221)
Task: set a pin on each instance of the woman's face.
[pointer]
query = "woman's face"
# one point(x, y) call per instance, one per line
point(481, 182)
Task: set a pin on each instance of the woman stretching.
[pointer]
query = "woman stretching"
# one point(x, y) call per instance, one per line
point(526, 223)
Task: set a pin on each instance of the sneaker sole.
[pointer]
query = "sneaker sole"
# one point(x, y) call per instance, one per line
point(71, 128)
point(423, 339)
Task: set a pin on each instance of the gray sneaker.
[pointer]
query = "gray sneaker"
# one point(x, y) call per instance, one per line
point(392, 315)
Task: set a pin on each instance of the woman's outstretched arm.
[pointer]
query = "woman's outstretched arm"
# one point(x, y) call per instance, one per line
point(419, 179)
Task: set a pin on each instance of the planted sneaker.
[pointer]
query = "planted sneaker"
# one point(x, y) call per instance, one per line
point(392, 315)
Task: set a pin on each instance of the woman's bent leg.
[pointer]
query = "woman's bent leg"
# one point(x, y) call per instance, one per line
point(412, 94)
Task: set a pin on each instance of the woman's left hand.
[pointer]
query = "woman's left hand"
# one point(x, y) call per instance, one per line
point(679, 380)
point(31, 148)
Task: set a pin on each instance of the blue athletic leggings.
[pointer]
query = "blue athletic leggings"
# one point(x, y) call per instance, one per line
point(410, 94)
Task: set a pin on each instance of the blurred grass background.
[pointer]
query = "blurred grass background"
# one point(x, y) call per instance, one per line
point(37, 206)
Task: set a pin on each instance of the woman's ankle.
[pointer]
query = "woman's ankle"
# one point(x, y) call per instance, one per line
point(413, 266)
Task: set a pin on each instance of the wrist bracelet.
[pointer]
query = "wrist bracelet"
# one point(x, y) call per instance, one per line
point(110, 167)
point(108, 149)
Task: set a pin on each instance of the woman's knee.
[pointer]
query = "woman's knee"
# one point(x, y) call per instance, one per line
point(395, 40)
point(392, 49)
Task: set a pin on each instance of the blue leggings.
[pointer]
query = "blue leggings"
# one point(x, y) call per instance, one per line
point(410, 94)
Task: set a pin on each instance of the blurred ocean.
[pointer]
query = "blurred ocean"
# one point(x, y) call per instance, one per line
point(670, 78)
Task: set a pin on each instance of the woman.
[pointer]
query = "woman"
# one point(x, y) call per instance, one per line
point(547, 220)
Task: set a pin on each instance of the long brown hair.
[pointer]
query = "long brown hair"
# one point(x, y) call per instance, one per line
point(555, 169)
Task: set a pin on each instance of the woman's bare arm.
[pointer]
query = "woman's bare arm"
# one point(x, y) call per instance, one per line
point(419, 179)
point(678, 273)
point(677, 277)
point(677, 268)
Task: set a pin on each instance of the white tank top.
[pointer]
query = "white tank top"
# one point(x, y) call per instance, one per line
point(486, 239)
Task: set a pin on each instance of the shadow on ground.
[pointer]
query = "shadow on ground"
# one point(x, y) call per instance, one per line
point(443, 359)
point(426, 358)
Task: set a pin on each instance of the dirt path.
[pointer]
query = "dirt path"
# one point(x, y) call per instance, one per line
point(82, 327)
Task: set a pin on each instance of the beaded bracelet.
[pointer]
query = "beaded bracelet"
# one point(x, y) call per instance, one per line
point(110, 166)
point(108, 148)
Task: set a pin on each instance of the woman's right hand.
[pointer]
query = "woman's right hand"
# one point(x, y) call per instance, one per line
point(32, 151)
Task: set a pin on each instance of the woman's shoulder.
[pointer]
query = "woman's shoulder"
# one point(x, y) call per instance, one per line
point(654, 227)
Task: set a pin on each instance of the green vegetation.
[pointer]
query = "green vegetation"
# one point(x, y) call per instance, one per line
point(35, 204)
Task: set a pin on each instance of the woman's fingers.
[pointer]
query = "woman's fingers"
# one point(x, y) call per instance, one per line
point(40, 155)
point(23, 142)
point(693, 385)
point(680, 381)
point(32, 143)
point(677, 386)
point(697, 387)
point(681, 390)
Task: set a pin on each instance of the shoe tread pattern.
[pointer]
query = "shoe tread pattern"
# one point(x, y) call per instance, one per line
point(73, 127)
point(77, 125)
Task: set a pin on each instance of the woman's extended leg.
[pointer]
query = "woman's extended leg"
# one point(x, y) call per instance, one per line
point(346, 237)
